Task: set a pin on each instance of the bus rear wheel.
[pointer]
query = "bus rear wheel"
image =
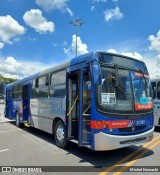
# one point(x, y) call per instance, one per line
point(18, 124)
point(60, 134)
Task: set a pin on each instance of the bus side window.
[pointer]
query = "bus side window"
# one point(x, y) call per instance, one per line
point(58, 84)
point(154, 89)
point(37, 83)
point(158, 90)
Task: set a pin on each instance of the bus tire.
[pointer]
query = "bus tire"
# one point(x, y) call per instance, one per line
point(60, 134)
point(18, 124)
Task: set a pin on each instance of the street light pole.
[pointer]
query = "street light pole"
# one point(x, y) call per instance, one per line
point(77, 23)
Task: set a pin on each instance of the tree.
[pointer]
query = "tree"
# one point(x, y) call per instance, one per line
point(4, 80)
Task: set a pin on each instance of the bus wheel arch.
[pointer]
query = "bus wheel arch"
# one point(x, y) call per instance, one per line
point(59, 131)
point(54, 124)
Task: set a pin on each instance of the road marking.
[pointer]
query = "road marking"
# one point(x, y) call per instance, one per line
point(136, 158)
point(106, 171)
point(4, 150)
point(9, 131)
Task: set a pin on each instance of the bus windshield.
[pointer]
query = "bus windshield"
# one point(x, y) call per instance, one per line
point(116, 94)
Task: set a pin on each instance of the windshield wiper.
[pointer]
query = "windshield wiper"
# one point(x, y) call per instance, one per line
point(116, 71)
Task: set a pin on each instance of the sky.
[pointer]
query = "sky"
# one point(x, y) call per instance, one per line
point(36, 34)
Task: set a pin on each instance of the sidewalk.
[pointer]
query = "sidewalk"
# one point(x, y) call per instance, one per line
point(4, 120)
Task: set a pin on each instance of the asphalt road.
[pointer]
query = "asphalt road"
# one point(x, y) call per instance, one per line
point(32, 147)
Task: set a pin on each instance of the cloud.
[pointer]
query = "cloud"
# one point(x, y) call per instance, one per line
point(67, 51)
point(55, 44)
point(49, 5)
point(9, 28)
point(1, 45)
point(69, 11)
point(155, 42)
point(10, 67)
point(93, 1)
point(64, 43)
point(93, 8)
point(31, 39)
point(112, 51)
point(70, 50)
point(35, 19)
point(135, 55)
point(153, 65)
point(113, 14)
point(81, 47)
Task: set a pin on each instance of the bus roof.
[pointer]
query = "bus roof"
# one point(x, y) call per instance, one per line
point(23, 80)
point(72, 62)
point(88, 57)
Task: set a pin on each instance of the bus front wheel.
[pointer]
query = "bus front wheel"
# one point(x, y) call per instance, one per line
point(60, 134)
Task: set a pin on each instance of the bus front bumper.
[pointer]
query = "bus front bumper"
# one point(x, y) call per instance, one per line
point(105, 141)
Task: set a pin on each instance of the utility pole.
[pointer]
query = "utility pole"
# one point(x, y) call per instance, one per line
point(77, 23)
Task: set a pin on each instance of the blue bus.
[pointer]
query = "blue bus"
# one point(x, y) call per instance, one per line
point(99, 100)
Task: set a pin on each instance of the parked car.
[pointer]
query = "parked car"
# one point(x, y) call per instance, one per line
point(1, 101)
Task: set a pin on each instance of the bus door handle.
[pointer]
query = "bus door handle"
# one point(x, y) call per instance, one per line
point(86, 114)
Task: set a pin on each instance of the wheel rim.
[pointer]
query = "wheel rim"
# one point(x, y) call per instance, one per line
point(60, 134)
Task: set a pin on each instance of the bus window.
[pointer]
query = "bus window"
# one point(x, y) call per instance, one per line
point(37, 83)
point(58, 84)
point(35, 90)
point(43, 81)
point(17, 91)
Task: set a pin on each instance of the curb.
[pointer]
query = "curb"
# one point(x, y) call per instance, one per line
point(6, 121)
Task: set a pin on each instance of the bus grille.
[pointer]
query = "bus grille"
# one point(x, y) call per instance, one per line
point(132, 129)
point(134, 140)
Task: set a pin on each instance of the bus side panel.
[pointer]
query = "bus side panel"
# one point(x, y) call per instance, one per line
point(17, 107)
point(44, 110)
point(156, 112)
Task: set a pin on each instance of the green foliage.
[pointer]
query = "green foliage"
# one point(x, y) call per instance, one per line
point(4, 80)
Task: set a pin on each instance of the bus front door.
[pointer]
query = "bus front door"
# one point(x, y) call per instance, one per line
point(79, 107)
point(85, 109)
point(73, 105)
point(25, 103)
